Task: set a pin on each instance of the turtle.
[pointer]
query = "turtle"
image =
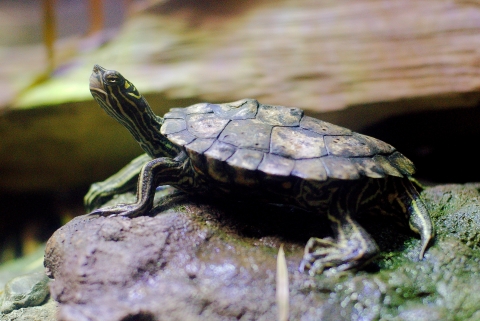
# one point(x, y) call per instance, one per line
point(256, 152)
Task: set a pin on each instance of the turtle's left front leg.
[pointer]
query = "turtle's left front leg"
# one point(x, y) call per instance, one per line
point(122, 182)
point(159, 171)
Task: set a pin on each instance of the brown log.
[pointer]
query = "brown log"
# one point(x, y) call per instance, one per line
point(361, 61)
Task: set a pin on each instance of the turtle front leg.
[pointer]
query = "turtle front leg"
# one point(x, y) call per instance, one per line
point(351, 248)
point(123, 181)
point(159, 171)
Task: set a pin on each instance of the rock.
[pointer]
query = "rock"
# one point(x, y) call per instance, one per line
point(25, 271)
point(25, 291)
point(45, 312)
point(30, 263)
point(455, 209)
point(194, 259)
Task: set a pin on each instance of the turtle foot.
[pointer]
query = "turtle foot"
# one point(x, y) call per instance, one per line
point(320, 254)
point(125, 210)
point(336, 256)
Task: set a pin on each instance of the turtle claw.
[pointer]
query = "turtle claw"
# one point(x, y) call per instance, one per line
point(336, 256)
point(124, 210)
point(318, 253)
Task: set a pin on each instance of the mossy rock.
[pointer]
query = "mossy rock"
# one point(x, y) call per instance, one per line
point(197, 259)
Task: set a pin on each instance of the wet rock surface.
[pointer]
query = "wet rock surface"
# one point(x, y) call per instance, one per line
point(25, 291)
point(194, 259)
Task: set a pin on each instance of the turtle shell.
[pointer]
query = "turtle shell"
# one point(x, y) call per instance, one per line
point(279, 141)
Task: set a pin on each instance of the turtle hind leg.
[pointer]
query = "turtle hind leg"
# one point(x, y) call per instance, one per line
point(351, 248)
point(416, 212)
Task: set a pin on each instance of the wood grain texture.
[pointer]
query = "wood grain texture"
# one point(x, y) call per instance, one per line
point(362, 61)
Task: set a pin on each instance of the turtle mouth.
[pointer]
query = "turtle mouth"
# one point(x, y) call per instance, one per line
point(96, 79)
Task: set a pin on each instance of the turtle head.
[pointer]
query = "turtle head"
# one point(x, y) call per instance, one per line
point(116, 95)
point(122, 101)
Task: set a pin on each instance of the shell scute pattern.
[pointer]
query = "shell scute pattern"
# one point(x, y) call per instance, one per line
point(386, 166)
point(366, 166)
point(196, 150)
point(172, 126)
point(181, 138)
point(241, 137)
point(215, 156)
point(403, 164)
point(248, 133)
point(200, 145)
point(340, 167)
point(220, 151)
point(279, 115)
point(205, 125)
point(348, 146)
point(376, 145)
point(276, 165)
point(242, 109)
point(246, 158)
point(297, 143)
point(310, 169)
point(244, 162)
point(322, 127)
point(201, 108)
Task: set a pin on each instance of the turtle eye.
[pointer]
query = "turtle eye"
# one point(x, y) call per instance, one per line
point(112, 79)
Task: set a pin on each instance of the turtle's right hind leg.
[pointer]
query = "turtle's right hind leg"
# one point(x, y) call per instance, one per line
point(416, 212)
point(352, 247)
